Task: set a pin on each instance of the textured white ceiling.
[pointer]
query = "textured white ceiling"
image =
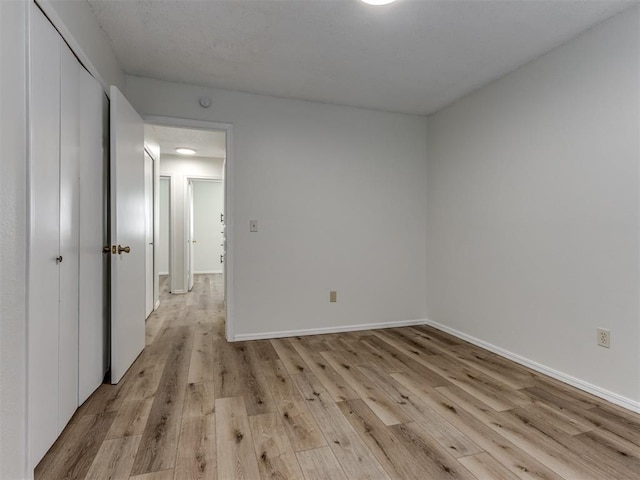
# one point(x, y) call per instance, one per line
point(210, 144)
point(411, 56)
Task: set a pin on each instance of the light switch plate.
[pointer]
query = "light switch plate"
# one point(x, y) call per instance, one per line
point(253, 225)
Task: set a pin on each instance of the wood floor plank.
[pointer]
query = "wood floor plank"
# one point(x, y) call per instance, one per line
point(383, 355)
point(234, 445)
point(131, 418)
point(416, 354)
point(356, 459)
point(592, 457)
point(591, 415)
point(258, 398)
point(545, 449)
point(114, 459)
point(333, 383)
point(301, 427)
point(387, 448)
point(227, 374)
point(196, 452)
point(432, 458)
point(414, 343)
point(403, 361)
point(496, 395)
point(513, 458)
point(201, 365)
point(276, 458)
point(161, 433)
point(620, 450)
point(73, 453)
point(135, 408)
point(262, 351)
point(493, 366)
point(289, 356)
point(320, 464)
point(161, 475)
point(196, 455)
point(199, 400)
point(454, 441)
point(379, 402)
point(484, 465)
point(152, 326)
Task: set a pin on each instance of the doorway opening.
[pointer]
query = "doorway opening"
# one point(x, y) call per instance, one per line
point(205, 228)
point(164, 237)
point(192, 205)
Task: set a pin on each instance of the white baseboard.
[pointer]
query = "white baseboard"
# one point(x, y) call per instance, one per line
point(208, 272)
point(538, 367)
point(157, 305)
point(178, 292)
point(163, 273)
point(324, 330)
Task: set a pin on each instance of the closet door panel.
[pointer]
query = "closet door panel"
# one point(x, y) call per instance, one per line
point(44, 271)
point(92, 325)
point(69, 234)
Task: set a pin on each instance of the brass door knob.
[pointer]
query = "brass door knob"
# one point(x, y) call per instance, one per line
point(126, 249)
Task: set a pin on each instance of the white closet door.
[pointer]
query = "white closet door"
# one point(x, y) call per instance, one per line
point(127, 230)
point(44, 236)
point(92, 322)
point(69, 235)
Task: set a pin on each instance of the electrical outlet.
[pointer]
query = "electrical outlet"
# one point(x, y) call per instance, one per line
point(333, 296)
point(604, 338)
point(253, 225)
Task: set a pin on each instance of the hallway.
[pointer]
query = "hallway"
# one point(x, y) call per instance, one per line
point(405, 403)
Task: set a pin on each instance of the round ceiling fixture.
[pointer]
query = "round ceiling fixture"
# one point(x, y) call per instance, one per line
point(185, 151)
point(378, 2)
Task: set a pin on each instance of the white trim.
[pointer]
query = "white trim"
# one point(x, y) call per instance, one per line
point(538, 367)
point(157, 305)
point(207, 272)
point(178, 292)
point(163, 273)
point(325, 330)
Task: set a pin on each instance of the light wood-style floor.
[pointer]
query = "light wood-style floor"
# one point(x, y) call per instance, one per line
point(405, 403)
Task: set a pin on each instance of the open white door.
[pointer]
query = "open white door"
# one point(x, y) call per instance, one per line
point(127, 235)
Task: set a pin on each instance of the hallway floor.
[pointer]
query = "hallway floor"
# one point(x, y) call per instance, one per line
point(405, 403)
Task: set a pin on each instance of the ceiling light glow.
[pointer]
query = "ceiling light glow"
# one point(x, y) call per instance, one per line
point(185, 151)
point(378, 2)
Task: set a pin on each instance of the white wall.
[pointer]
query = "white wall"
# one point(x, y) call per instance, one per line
point(532, 205)
point(78, 26)
point(179, 169)
point(163, 239)
point(334, 189)
point(13, 223)
point(208, 204)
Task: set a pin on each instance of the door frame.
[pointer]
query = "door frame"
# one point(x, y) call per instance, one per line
point(154, 224)
point(169, 178)
point(187, 180)
point(228, 182)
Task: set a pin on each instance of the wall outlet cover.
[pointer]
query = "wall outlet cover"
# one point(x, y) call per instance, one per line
point(333, 296)
point(604, 338)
